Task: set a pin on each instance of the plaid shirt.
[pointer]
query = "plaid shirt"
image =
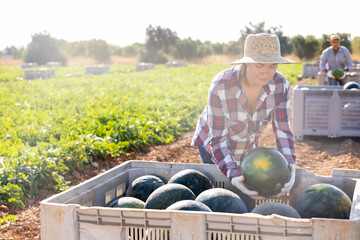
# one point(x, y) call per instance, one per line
point(226, 129)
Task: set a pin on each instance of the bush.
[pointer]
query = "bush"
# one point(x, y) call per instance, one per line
point(312, 47)
point(43, 48)
point(99, 50)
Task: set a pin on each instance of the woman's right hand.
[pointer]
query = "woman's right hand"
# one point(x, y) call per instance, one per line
point(238, 182)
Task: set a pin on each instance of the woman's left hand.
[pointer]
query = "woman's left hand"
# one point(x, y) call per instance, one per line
point(287, 186)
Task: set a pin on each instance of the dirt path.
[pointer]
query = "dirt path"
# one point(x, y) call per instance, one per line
point(317, 154)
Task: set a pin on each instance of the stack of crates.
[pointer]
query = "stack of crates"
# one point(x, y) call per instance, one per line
point(44, 73)
point(97, 70)
point(80, 212)
point(325, 111)
point(310, 70)
point(144, 66)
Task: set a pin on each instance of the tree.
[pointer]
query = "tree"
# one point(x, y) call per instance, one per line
point(311, 47)
point(43, 48)
point(158, 43)
point(233, 49)
point(185, 49)
point(132, 50)
point(298, 43)
point(78, 48)
point(218, 48)
point(99, 50)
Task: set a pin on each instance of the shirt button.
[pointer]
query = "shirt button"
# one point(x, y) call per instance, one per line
point(252, 137)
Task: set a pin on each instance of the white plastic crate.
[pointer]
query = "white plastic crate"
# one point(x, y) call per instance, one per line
point(79, 212)
point(310, 70)
point(29, 65)
point(53, 64)
point(39, 74)
point(144, 66)
point(175, 63)
point(97, 70)
point(325, 111)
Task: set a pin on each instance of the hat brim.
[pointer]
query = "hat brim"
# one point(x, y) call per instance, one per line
point(329, 40)
point(263, 59)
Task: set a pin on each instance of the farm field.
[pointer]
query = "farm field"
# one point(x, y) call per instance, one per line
point(58, 132)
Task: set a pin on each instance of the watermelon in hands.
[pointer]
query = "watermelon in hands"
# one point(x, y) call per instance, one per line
point(265, 170)
point(338, 73)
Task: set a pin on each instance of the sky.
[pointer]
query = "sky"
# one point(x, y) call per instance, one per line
point(124, 22)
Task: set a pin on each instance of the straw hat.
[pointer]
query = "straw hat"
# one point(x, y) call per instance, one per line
point(262, 48)
point(334, 37)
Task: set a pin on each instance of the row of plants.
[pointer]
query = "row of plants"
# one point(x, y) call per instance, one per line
point(49, 126)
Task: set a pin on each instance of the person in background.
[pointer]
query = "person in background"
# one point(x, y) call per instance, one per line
point(335, 56)
point(242, 100)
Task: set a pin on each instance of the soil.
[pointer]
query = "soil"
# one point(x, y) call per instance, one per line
point(316, 154)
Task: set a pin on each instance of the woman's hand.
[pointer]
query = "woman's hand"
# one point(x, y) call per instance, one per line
point(238, 182)
point(287, 186)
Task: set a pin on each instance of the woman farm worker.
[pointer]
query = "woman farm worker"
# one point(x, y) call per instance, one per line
point(242, 100)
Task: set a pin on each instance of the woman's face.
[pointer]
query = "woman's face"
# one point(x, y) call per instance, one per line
point(260, 73)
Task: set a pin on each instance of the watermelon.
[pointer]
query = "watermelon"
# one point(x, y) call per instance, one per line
point(189, 205)
point(127, 202)
point(265, 170)
point(222, 200)
point(195, 180)
point(268, 208)
point(168, 194)
point(351, 85)
point(337, 73)
point(324, 201)
point(143, 186)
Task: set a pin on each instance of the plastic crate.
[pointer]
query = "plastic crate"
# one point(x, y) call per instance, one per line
point(325, 111)
point(79, 212)
point(310, 70)
point(39, 74)
point(97, 70)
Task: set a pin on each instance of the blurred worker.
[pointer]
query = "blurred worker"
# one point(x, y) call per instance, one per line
point(242, 100)
point(333, 57)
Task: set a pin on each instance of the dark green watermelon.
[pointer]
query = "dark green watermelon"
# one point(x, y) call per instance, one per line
point(268, 208)
point(324, 201)
point(189, 205)
point(168, 194)
point(337, 73)
point(351, 85)
point(195, 180)
point(265, 170)
point(143, 186)
point(222, 200)
point(127, 202)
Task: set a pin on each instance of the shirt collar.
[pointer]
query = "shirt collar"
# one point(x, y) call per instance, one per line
point(339, 50)
point(268, 88)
